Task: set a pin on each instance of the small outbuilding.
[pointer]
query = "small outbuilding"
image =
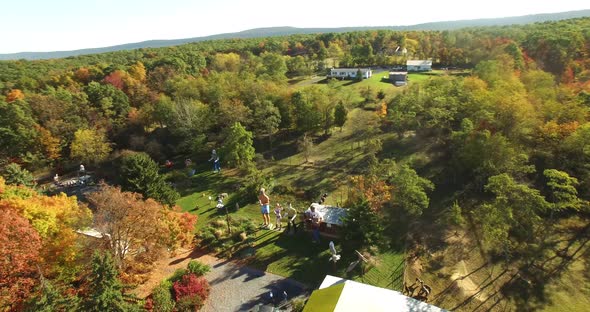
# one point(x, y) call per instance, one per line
point(350, 73)
point(398, 78)
point(419, 65)
point(332, 219)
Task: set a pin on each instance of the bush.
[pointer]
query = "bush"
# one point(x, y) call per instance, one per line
point(177, 276)
point(191, 286)
point(189, 304)
point(198, 268)
point(162, 298)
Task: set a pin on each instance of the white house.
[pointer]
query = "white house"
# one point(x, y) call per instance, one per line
point(345, 73)
point(419, 65)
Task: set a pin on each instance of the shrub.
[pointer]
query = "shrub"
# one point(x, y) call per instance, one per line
point(198, 268)
point(189, 304)
point(191, 286)
point(162, 298)
point(178, 274)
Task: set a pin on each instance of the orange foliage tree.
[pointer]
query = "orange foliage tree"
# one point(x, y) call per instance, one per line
point(19, 255)
point(376, 191)
point(14, 94)
point(136, 226)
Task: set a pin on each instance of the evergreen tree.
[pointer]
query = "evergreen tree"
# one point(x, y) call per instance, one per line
point(340, 115)
point(105, 288)
point(51, 299)
point(139, 173)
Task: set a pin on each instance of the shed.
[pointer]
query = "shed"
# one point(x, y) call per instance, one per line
point(398, 78)
point(332, 218)
point(419, 65)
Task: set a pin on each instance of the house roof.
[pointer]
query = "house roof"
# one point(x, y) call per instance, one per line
point(342, 295)
point(350, 70)
point(330, 214)
point(419, 63)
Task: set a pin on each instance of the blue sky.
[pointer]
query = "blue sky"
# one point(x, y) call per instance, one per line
point(51, 25)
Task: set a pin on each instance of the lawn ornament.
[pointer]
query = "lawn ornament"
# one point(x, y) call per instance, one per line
point(335, 256)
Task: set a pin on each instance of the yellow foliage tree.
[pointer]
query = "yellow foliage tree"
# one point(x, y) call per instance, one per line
point(137, 71)
point(51, 144)
point(56, 220)
point(90, 146)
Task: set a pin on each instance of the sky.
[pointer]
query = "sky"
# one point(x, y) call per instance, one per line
point(60, 25)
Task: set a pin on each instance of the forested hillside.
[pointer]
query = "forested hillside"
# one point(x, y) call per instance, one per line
point(285, 31)
point(488, 167)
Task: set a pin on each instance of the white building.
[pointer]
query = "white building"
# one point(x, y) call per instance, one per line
point(419, 65)
point(345, 73)
point(342, 295)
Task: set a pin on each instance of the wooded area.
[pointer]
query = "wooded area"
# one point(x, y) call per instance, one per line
point(502, 151)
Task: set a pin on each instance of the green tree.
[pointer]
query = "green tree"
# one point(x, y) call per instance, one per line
point(237, 147)
point(564, 195)
point(105, 288)
point(17, 129)
point(267, 118)
point(340, 114)
point(90, 146)
point(511, 222)
point(409, 190)
point(14, 174)
point(51, 299)
point(305, 145)
point(362, 226)
point(139, 173)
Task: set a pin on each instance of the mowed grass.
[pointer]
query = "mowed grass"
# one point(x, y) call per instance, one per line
point(277, 252)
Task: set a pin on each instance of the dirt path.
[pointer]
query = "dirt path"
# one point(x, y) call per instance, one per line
point(233, 287)
point(164, 268)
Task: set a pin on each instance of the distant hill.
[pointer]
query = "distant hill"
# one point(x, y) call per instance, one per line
point(284, 31)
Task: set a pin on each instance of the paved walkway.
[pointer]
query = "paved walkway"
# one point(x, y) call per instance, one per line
point(233, 287)
point(240, 288)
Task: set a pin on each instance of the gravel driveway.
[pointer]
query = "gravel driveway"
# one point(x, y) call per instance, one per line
point(240, 288)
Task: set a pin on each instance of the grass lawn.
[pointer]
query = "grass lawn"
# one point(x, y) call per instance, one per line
point(275, 252)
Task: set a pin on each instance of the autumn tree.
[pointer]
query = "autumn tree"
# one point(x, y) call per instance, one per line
point(132, 224)
point(138, 172)
point(15, 94)
point(375, 191)
point(19, 256)
point(90, 146)
point(237, 148)
point(56, 220)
